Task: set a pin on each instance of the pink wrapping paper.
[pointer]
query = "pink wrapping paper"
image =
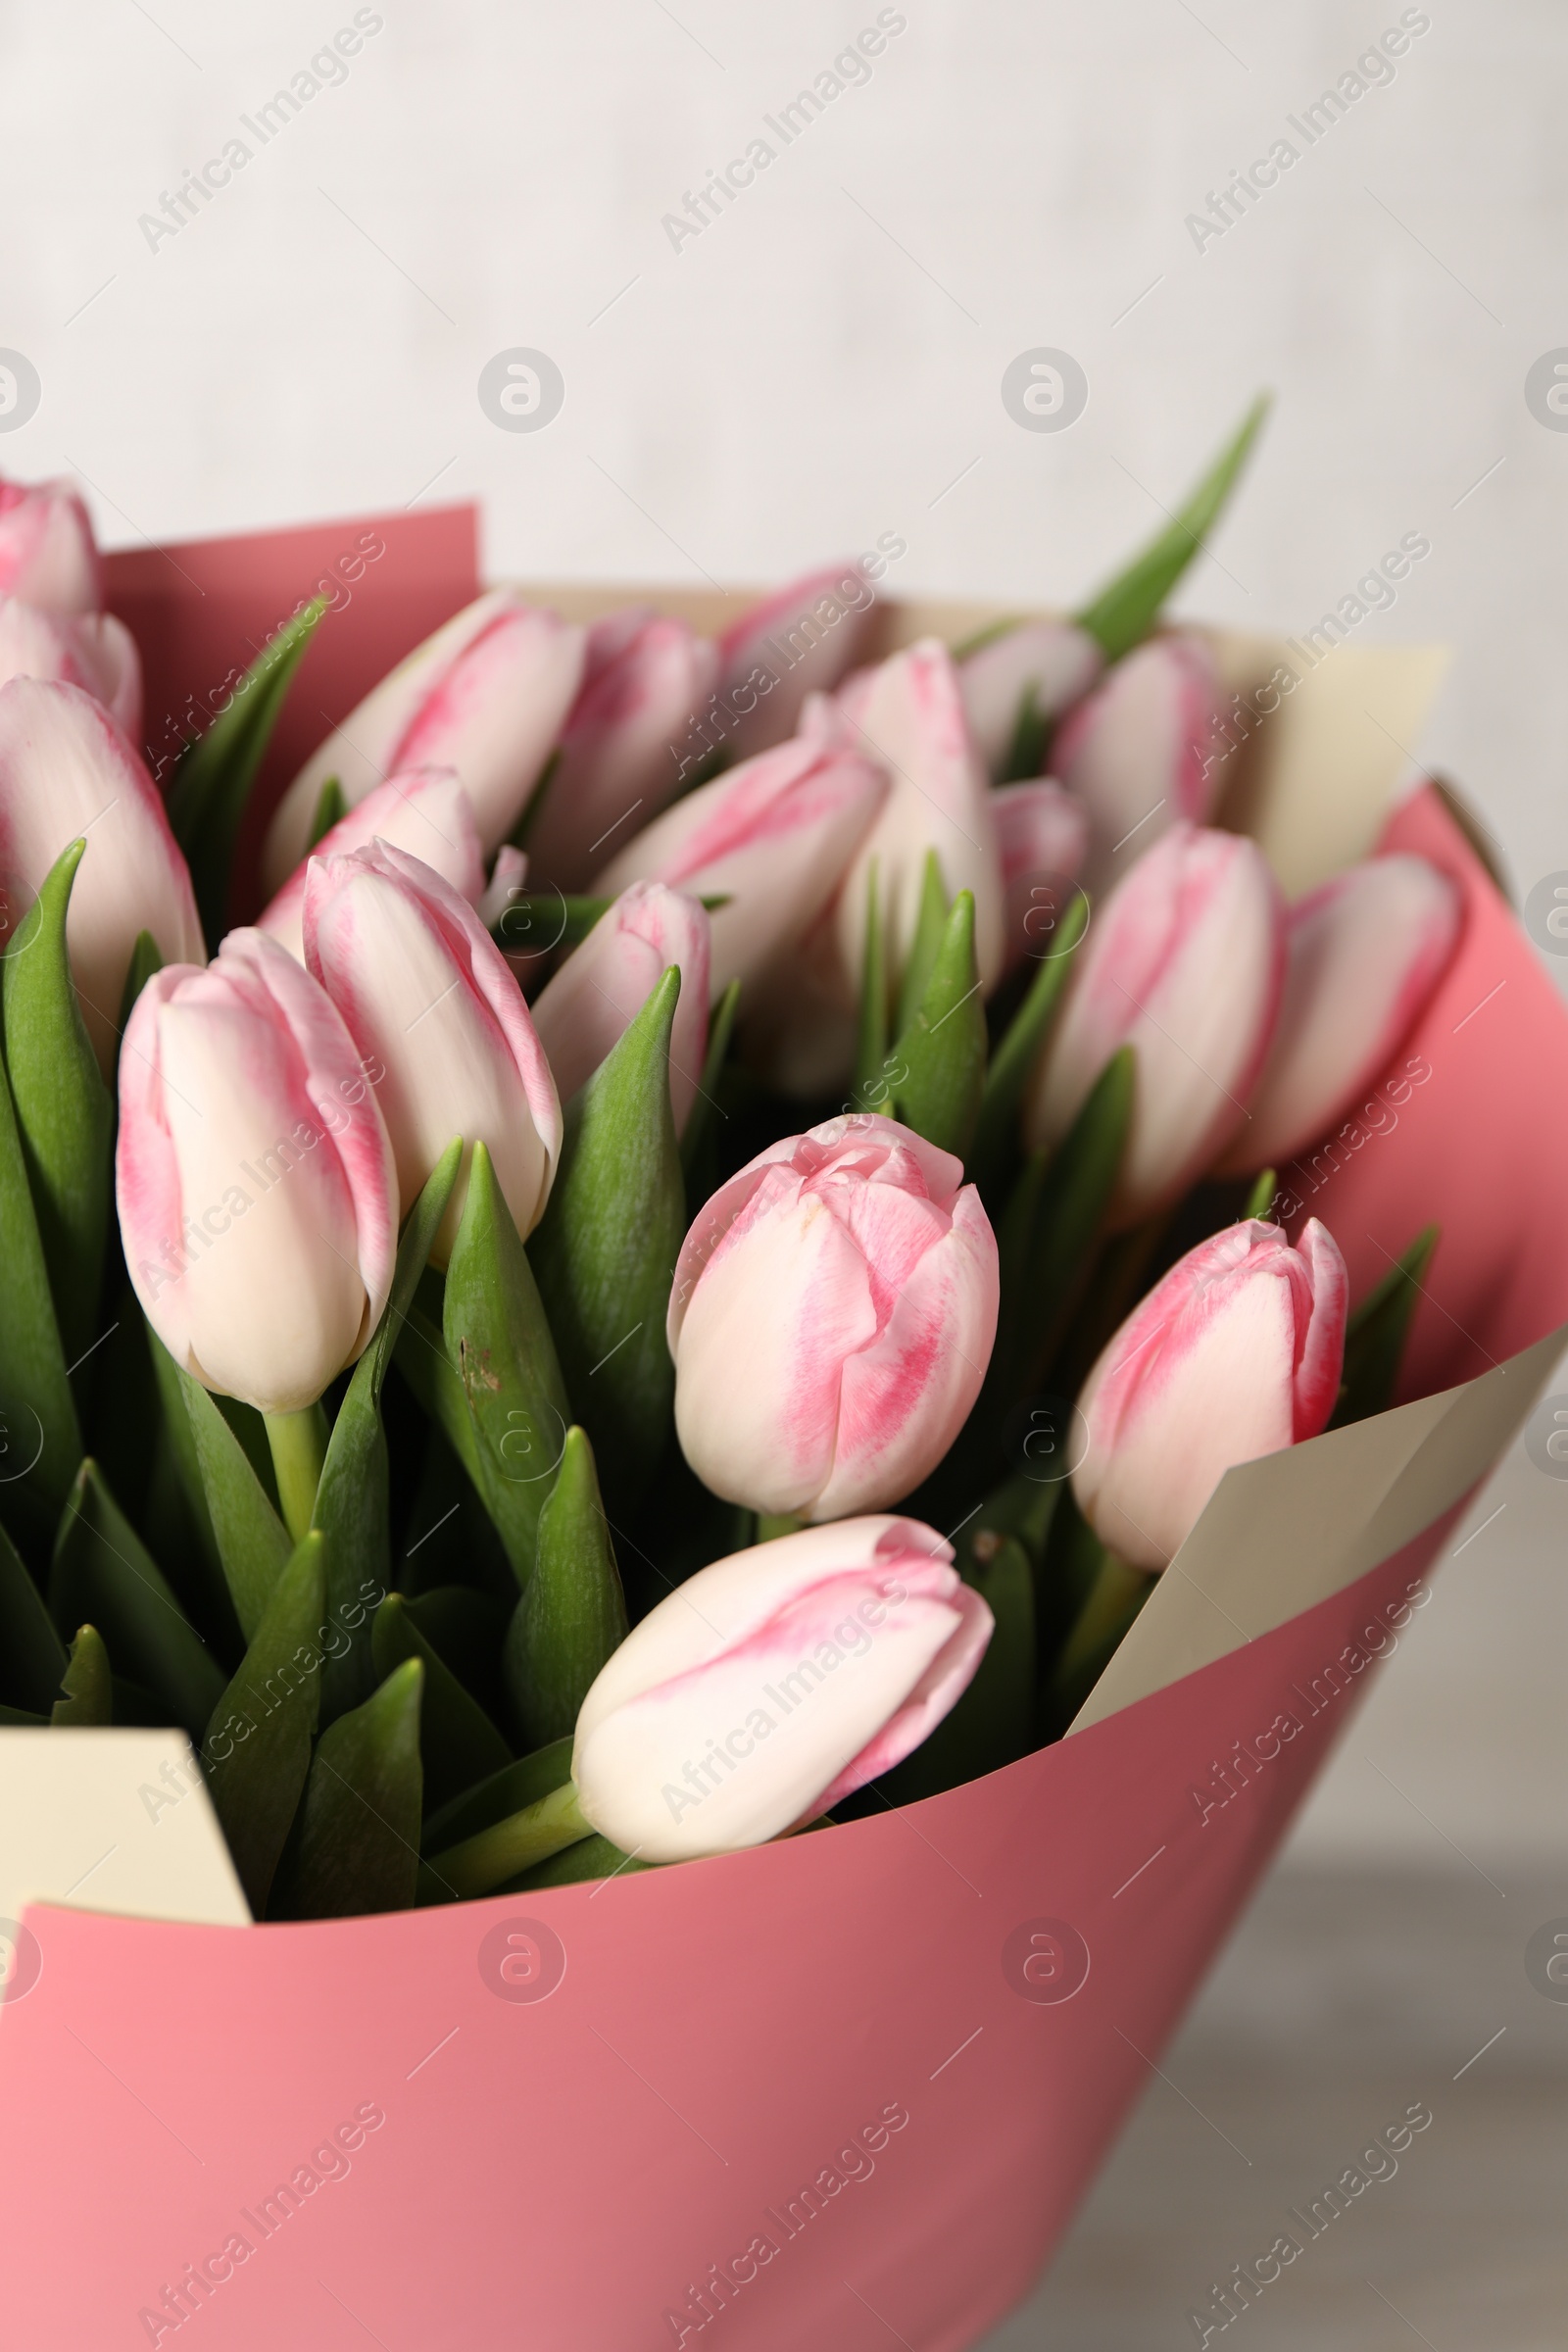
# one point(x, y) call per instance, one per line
point(843, 2090)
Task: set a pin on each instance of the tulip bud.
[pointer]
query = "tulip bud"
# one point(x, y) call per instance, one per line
point(257, 1195)
point(605, 983)
point(772, 836)
point(486, 696)
point(91, 650)
point(1234, 1354)
point(47, 551)
point(773, 1684)
point(1051, 663)
point(425, 812)
point(1365, 953)
point(1140, 752)
point(432, 1007)
point(831, 1318)
point(622, 748)
point(1184, 963)
point(65, 770)
point(1043, 833)
point(798, 642)
point(907, 714)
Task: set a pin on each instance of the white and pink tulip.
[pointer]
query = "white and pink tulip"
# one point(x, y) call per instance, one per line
point(831, 1318)
point(1140, 752)
point(426, 812)
point(66, 771)
point(773, 1683)
point(486, 696)
point(1184, 963)
point(1365, 953)
point(802, 640)
point(430, 1002)
point(590, 1003)
point(1043, 833)
point(1236, 1353)
point(48, 555)
point(258, 1198)
point(1050, 663)
point(90, 649)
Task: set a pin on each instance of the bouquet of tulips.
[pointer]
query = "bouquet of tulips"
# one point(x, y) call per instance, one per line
point(685, 1275)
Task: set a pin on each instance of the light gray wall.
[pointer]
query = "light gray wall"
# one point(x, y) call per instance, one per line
point(823, 363)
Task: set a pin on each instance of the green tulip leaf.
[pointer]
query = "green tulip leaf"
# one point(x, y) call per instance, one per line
point(352, 1498)
point(32, 1656)
point(479, 1864)
point(698, 1146)
point(355, 1845)
point(1375, 1336)
point(458, 1743)
point(499, 1344)
point(1127, 608)
point(870, 1088)
point(588, 1858)
point(64, 1115)
point(605, 1250)
point(40, 1437)
point(145, 960)
point(517, 1785)
point(256, 1750)
point(930, 929)
point(938, 1065)
point(573, 1613)
point(103, 1576)
point(1019, 1049)
point(251, 1542)
point(212, 779)
point(330, 809)
point(88, 1685)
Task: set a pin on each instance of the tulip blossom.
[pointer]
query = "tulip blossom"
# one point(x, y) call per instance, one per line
point(1043, 833)
point(773, 836)
point(798, 642)
point(425, 811)
point(47, 551)
point(90, 649)
point(486, 695)
point(623, 744)
point(907, 714)
point(1235, 1354)
point(66, 771)
point(831, 1318)
point(1140, 752)
point(605, 983)
point(773, 1684)
point(256, 1194)
point(1365, 953)
point(1048, 664)
point(1184, 963)
point(428, 998)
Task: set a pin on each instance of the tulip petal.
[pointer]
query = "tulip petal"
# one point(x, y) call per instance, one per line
point(424, 811)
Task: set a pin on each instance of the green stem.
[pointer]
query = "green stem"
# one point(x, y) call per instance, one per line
point(299, 1448)
point(771, 1525)
point(491, 1856)
point(1114, 1600)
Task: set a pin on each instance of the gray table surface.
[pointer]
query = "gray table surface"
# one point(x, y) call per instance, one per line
point(1343, 1998)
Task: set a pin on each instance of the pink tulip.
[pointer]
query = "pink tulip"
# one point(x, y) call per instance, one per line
point(1043, 833)
point(1184, 963)
point(257, 1197)
point(798, 642)
point(1236, 1353)
point(1051, 662)
point(428, 998)
point(487, 694)
point(907, 714)
point(604, 984)
point(47, 551)
point(831, 1318)
point(91, 650)
point(773, 836)
point(424, 811)
point(66, 771)
point(621, 751)
point(773, 1684)
point(1365, 953)
point(1138, 753)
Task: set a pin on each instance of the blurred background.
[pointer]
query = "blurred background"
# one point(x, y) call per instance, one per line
point(751, 382)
